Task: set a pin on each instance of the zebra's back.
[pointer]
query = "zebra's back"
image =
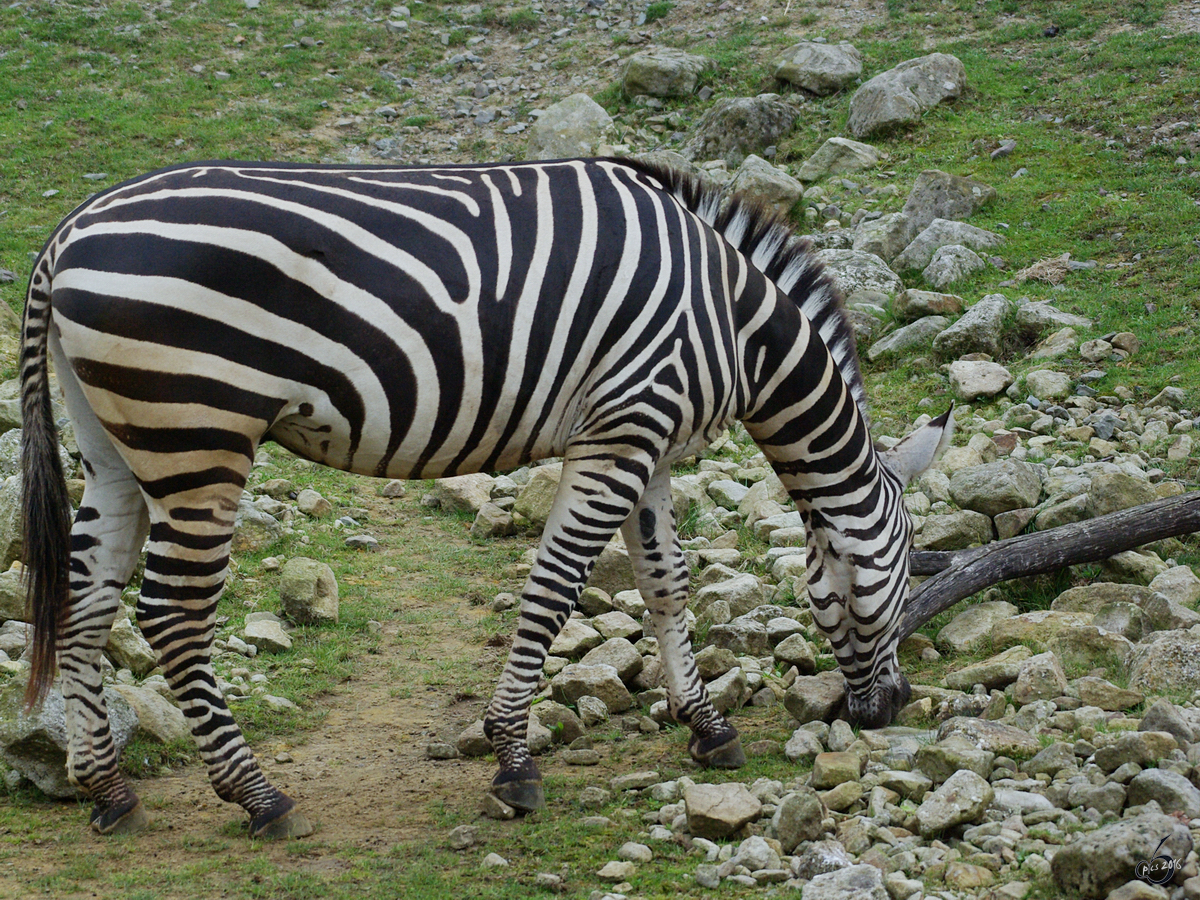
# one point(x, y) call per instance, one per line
point(409, 322)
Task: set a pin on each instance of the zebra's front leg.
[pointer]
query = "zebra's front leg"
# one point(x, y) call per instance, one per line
point(594, 497)
point(662, 578)
point(185, 575)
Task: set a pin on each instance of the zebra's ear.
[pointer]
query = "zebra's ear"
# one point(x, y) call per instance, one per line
point(917, 451)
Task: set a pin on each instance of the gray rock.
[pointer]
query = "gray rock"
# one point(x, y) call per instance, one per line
point(831, 769)
point(715, 811)
point(743, 593)
point(492, 521)
point(613, 572)
point(1105, 695)
point(575, 639)
point(954, 531)
point(819, 858)
point(819, 68)
point(1165, 716)
point(853, 271)
point(576, 126)
point(1178, 584)
point(971, 630)
point(1091, 598)
point(577, 680)
point(535, 500)
point(971, 380)
point(940, 195)
point(618, 653)
point(899, 96)
point(993, 737)
point(713, 662)
point(952, 264)
point(884, 237)
point(663, 72)
point(1172, 791)
point(978, 331)
point(35, 744)
point(617, 624)
point(312, 504)
point(743, 636)
point(1043, 314)
point(1051, 760)
point(956, 753)
point(1087, 646)
point(908, 338)
point(730, 691)
point(564, 725)
point(735, 127)
point(913, 304)
point(815, 698)
point(838, 156)
point(463, 493)
point(473, 742)
point(1113, 491)
point(945, 232)
point(1168, 663)
point(802, 746)
point(962, 799)
point(764, 184)
point(254, 529)
point(1041, 678)
point(996, 487)
point(798, 818)
point(267, 636)
point(1145, 748)
point(859, 882)
point(1103, 860)
point(128, 649)
point(158, 718)
point(308, 591)
point(592, 710)
point(1048, 385)
point(12, 596)
point(1106, 798)
point(796, 651)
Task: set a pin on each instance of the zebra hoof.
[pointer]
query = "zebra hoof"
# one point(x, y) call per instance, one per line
point(290, 823)
point(120, 819)
point(524, 795)
point(727, 755)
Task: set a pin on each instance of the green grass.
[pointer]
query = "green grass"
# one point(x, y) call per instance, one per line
point(658, 10)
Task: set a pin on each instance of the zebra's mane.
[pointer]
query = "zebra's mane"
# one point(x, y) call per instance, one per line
point(769, 241)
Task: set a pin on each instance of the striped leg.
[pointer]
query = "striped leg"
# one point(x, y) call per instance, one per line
point(190, 533)
point(596, 494)
point(106, 539)
point(662, 578)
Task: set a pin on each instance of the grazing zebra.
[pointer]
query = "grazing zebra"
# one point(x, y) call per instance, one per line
point(420, 323)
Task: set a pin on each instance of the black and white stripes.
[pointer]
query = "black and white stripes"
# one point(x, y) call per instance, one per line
point(427, 322)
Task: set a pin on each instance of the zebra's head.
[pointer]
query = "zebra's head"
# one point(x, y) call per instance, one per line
point(858, 574)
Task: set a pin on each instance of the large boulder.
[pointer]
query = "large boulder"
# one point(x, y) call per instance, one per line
point(576, 126)
point(815, 698)
point(951, 264)
point(35, 743)
point(838, 156)
point(1103, 860)
point(900, 96)
point(996, 487)
point(602, 681)
point(971, 630)
point(819, 68)
point(962, 798)
point(859, 882)
point(884, 237)
point(1113, 491)
point(664, 72)
point(738, 126)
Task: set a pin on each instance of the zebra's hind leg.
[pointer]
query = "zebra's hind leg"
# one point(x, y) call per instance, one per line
point(595, 495)
point(662, 578)
point(190, 533)
point(106, 539)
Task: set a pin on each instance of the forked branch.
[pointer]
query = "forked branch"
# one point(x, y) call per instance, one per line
point(961, 573)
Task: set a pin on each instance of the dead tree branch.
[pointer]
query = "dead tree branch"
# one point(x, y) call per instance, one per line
point(961, 573)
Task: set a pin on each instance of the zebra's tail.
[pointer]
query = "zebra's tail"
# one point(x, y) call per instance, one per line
point(45, 506)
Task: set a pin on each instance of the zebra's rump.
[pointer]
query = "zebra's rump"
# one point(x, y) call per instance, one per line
point(398, 321)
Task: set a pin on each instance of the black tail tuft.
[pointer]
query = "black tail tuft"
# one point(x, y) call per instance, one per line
point(45, 506)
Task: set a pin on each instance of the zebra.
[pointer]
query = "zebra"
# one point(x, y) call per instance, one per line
point(423, 322)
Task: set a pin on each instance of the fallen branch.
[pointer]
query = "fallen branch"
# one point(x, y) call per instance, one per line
point(961, 573)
